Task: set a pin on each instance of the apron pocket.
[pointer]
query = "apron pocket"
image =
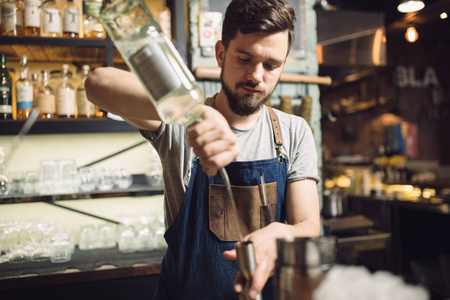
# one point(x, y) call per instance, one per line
point(222, 217)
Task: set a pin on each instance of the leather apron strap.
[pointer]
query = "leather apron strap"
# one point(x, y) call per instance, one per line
point(276, 132)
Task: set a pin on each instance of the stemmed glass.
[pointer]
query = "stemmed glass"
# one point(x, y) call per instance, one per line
point(4, 183)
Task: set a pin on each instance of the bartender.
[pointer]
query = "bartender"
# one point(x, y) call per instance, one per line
point(240, 133)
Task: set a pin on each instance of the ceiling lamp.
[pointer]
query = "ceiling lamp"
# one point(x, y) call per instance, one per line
point(407, 6)
point(411, 34)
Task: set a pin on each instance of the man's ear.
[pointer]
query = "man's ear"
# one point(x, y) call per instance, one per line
point(220, 53)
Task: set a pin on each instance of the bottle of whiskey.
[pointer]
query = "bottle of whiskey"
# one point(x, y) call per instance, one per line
point(86, 108)
point(8, 18)
point(32, 17)
point(51, 19)
point(71, 21)
point(46, 100)
point(91, 26)
point(19, 17)
point(65, 96)
point(5, 90)
point(34, 77)
point(24, 91)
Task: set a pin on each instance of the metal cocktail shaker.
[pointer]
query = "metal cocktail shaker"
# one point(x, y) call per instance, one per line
point(302, 264)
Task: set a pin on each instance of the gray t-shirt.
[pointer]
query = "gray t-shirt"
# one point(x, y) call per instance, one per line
point(255, 144)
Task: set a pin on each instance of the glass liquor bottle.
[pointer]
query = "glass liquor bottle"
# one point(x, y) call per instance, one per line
point(71, 20)
point(51, 19)
point(35, 83)
point(153, 58)
point(5, 91)
point(86, 108)
point(46, 100)
point(32, 17)
point(92, 28)
point(19, 17)
point(8, 18)
point(65, 96)
point(24, 91)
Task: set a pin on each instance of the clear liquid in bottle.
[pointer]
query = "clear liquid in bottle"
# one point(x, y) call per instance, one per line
point(153, 58)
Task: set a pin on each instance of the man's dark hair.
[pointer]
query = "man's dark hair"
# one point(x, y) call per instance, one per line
point(258, 16)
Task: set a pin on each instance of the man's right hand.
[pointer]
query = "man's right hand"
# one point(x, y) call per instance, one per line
point(213, 141)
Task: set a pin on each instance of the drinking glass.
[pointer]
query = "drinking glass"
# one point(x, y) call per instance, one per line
point(61, 247)
point(86, 179)
point(19, 253)
point(88, 237)
point(106, 236)
point(16, 180)
point(68, 176)
point(48, 177)
point(105, 180)
point(127, 238)
point(31, 183)
point(122, 178)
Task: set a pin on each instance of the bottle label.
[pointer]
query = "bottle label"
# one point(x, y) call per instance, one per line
point(92, 8)
point(85, 107)
point(71, 20)
point(51, 20)
point(46, 103)
point(32, 16)
point(65, 102)
point(8, 16)
point(156, 71)
point(24, 96)
point(6, 109)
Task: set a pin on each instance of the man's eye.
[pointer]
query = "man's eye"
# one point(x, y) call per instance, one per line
point(243, 59)
point(271, 67)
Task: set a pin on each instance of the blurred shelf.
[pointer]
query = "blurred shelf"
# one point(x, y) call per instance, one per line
point(94, 125)
point(141, 187)
point(74, 50)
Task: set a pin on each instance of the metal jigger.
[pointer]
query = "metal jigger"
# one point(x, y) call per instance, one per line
point(246, 262)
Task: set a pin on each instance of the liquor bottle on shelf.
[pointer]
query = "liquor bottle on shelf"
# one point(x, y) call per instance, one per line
point(19, 17)
point(34, 77)
point(51, 19)
point(92, 28)
point(32, 17)
point(71, 20)
point(8, 18)
point(46, 100)
point(65, 96)
point(86, 109)
point(6, 91)
point(24, 90)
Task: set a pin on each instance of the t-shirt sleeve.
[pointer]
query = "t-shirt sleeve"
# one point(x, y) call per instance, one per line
point(303, 163)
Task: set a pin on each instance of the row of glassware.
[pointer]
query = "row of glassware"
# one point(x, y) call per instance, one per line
point(63, 177)
point(37, 241)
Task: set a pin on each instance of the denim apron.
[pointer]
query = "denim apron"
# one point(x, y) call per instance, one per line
point(193, 266)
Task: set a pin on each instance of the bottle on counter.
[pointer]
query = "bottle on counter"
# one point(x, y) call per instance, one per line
point(65, 96)
point(5, 91)
point(32, 17)
point(8, 18)
point(92, 28)
point(19, 17)
point(46, 100)
point(51, 19)
point(86, 108)
point(24, 90)
point(71, 20)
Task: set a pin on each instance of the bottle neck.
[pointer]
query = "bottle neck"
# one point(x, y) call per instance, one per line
point(3, 61)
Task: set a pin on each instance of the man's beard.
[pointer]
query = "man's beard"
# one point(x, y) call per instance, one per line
point(242, 106)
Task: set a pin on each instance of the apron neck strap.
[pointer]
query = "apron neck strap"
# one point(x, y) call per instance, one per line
point(276, 131)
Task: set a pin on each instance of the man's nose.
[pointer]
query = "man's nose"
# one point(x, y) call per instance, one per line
point(255, 73)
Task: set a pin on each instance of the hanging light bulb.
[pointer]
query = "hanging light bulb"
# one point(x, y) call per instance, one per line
point(411, 34)
point(407, 6)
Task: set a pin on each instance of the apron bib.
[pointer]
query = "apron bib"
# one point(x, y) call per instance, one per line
point(193, 266)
